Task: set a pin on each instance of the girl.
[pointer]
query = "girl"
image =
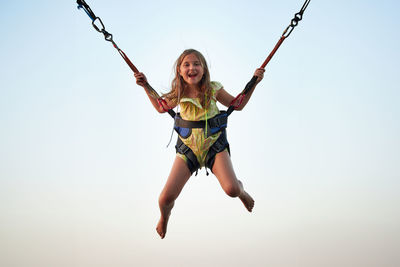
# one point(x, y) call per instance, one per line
point(197, 96)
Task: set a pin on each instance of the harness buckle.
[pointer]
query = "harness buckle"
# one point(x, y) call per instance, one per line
point(217, 123)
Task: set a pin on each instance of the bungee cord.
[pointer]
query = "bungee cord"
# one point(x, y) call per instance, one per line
point(99, 26)
point(286, 33)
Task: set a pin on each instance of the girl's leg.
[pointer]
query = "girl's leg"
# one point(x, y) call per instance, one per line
point(177, 179)
point(226, 176)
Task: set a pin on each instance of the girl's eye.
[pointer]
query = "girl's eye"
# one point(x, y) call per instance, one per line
point(187, 64)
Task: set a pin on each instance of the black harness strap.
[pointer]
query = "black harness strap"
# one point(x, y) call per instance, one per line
point(213, 125)
point(192, 162)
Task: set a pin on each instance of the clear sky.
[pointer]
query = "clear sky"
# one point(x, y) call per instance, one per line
point(83, 154)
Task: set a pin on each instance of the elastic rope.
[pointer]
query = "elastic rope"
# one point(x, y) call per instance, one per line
point(82, 4)
point(294, 22)
point(305, 5)
point(87, 12)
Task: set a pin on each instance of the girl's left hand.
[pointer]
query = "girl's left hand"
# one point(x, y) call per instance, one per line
point(260, 74)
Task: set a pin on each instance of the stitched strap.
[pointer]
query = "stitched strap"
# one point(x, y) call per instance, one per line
point(192, 162)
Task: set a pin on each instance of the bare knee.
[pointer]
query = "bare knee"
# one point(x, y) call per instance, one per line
point(232, 189)
point(166, 199)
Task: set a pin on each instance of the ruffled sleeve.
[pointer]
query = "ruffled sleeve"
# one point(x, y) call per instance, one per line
point(216, 86)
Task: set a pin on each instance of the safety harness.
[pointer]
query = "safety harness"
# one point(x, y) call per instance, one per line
point(213, 125)
point(193, 164)
point(216, 124)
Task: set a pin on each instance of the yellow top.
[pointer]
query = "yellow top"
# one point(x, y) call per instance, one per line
point(192, 110)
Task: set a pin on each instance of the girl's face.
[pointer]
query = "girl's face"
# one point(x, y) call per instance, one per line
point(191, 69)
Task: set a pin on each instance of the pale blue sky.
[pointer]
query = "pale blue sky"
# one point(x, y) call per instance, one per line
point(83, 154)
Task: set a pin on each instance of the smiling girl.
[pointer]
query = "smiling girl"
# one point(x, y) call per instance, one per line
point(196, 96)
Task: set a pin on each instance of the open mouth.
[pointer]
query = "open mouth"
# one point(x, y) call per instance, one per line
point(192, 75)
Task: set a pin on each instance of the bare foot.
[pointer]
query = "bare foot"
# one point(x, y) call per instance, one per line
point(247, 200)
point(162, 226)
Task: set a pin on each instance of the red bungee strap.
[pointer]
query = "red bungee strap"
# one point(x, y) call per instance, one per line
point(127, 60)
point(278, 44)
point(238, 100)
point(235, 104)
point(162, 103)
point(99, 26)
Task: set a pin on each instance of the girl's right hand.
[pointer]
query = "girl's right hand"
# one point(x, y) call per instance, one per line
point(140, 79)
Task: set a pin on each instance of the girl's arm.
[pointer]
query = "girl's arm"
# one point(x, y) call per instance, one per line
point(226, 99)
point(142, 81)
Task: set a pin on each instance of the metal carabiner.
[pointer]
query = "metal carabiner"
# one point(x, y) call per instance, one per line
point(295, 21)
point(96, 27)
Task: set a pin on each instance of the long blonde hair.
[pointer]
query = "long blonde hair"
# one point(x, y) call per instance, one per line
point(178, 85)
